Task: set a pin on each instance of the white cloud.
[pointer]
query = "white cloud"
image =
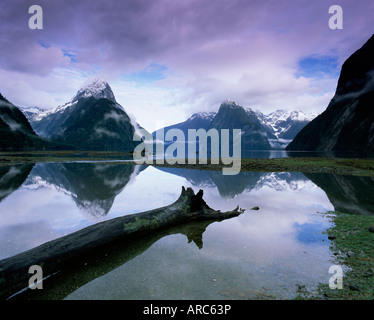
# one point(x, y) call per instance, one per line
point(13, 125)
point(101, 131)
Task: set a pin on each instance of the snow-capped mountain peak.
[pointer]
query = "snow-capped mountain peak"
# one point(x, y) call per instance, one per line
point(203, 115)
point(97, 89)
point(285, 123)
point(229, 103)
point(293, 115)
point(33, 113)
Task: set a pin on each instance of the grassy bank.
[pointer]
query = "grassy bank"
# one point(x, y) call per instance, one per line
point(7, 158)
point(359, 167)
point(329, 165)
point(352, 245)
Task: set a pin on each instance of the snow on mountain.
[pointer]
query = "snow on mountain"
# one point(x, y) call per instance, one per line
point(285, 124)
point(294, 115)
point(279, 127)
point(97, 89)
point(93, 114)
point(270, 133)
point(33, 110)
point(208, 116)
point(95, 210)
point(259, 115)
point(42, 119)
point(34, 113)
point(72, 181)
point(231, 103)
point(283, 181)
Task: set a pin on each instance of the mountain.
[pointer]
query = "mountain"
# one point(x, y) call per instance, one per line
point(33, 114)
point(283, 125)
point(270, 133)
point(287, 124)
point(348, 122)
point(233, 116)
point(91, 120)
point(279, 127)
point(98, 89)
point(197, 121)
point(229, 116)
point(16, 132)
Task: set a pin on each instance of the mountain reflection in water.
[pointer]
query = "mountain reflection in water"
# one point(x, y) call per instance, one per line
point(12, 177)
point(92, 186)
point(44, 201)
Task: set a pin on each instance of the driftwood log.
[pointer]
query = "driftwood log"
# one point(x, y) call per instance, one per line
point(54, 255)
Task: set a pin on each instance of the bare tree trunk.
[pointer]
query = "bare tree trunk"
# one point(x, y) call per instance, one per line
point(54, 255)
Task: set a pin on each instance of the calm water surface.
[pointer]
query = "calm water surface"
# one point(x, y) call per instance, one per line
point(261, 253)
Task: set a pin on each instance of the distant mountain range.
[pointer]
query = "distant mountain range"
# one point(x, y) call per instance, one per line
point(93, 120)
point(348, 122)
point(285, 124)
point(259, 131)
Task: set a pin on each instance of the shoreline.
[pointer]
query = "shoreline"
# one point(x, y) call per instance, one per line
point(341, 166)
point(351, 245)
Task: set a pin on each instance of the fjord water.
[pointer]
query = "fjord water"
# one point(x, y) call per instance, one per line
point(262, 253)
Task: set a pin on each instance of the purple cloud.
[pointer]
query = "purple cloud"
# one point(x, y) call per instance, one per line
point(212, 50)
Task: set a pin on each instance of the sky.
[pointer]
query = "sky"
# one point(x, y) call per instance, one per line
point(167, 59)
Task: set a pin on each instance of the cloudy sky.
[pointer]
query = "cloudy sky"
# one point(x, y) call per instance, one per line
point(166, 59)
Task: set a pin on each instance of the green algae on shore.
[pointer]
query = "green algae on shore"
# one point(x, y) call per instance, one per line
point(352, 247)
